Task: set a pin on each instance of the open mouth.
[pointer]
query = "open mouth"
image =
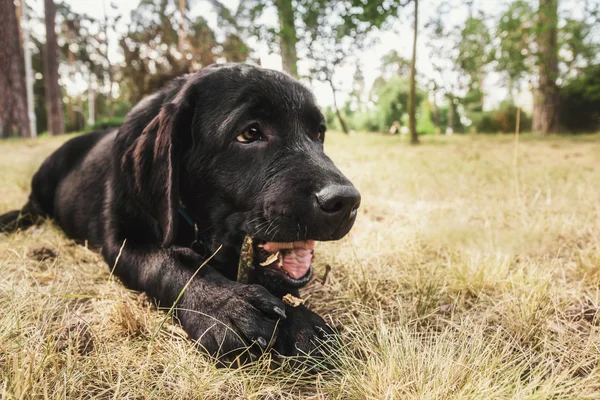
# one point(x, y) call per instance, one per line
point(292, 261)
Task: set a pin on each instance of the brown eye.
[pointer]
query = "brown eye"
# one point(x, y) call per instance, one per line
point(250, 134)
point(321, 132)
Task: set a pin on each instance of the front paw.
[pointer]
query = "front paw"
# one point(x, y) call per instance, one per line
point(304, 333)
point(239, 323)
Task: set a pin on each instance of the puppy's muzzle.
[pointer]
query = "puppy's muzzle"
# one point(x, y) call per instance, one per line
point(337, 207)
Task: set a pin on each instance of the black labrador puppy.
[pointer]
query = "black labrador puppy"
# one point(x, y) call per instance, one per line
point(230, 151)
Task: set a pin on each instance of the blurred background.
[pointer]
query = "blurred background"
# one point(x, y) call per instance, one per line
point(417, 67)
point(473, 269)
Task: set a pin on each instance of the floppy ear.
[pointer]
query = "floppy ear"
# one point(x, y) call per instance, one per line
point(149, 160)
point(150, 169)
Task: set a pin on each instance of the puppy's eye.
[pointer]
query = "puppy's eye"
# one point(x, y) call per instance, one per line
point(250, 134)
point(321, 132)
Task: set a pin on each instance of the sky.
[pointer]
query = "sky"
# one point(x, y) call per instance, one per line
point(398, 38)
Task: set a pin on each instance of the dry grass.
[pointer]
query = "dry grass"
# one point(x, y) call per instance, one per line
point(463, 278)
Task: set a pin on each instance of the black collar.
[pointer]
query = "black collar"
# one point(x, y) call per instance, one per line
point(191, 221)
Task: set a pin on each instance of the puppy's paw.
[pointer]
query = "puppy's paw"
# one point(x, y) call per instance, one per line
point(304, 334)
point(240, 324)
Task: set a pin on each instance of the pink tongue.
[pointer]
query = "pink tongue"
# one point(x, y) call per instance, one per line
point(296, 262)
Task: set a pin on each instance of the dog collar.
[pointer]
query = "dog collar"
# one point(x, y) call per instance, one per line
point(191, 221)
point(188, 218)
point(197, 245)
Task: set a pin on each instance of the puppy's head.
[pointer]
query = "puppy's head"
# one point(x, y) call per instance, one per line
point(246, 158)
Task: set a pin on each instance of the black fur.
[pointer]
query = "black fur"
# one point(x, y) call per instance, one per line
point(121, 190)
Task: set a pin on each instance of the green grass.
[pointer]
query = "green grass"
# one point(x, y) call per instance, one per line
point(466, 276)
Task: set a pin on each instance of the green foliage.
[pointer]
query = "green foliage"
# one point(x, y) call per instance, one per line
point(235, 49)
point(425, 124)
point(393, 63)
point(391, 98)
point(580, 102)
point(516, 33)
point(473, 100)
point(150, 47)
point(502, 120)
point(392, 102)
point(484, 122)
point(474, 50)
point(329, 35)
point(83, 50)
point(576, 37)
point(330, 117)
point(106, 123)
point(374, 12)
point(444, 115)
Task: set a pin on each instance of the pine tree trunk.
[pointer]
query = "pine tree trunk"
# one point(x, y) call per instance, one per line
point(13, 94)
point(56, 123)
point(412, 96)
point(546, 96)
point(287, 36)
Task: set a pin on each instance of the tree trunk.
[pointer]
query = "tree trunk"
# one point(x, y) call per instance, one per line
point(450, 124)
point(71, 126)
point(182, 32)
point(80, 112)
point(511, 89)
point(341, 119)
point(111, 78)
point(287, 36)
point(72, 118)
point(29, 79)
point(111, 100)
point(337, 110)
point(13, 94)
point(56, 123)
point(436, 113)
point(412, 96)
point(91, 100)
point(546, 96)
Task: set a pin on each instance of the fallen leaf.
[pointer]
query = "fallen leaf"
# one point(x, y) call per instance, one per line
point(292, 300)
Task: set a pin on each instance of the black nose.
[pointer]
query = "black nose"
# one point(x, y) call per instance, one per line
point(338, 202)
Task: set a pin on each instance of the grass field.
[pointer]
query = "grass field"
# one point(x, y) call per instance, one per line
point(467, 275)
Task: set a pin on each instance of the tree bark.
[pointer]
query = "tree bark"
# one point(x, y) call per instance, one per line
point(412, 96)
point(450, 123)
point(182, 32)
point(72, 118)
point(111, 100)
point(29, 79)
point(111, 78)
point(13, 94)
point(287, 36)
point(546, 96)
point(337, 110)
point(56, 123)
point(91, 100)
